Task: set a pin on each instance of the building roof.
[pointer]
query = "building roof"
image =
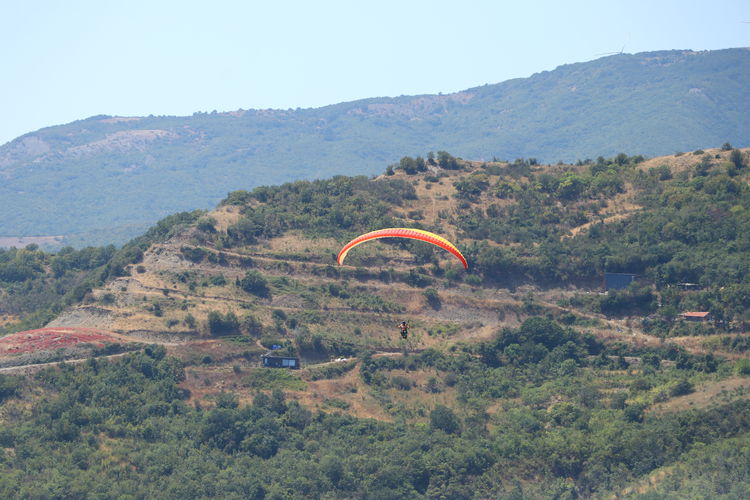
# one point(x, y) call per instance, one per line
point(695, 314)
point(618, 281)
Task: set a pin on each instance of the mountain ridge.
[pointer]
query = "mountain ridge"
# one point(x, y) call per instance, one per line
point(105, 173)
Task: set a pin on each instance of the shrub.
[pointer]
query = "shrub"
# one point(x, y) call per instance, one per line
point(252, 325)
point(742, 367)
point(207, 224)
point(634, 412)
point(684, 386)
point(218, 280)
point(219, 324)
point(447, 161)
point(108, 298)
point(402, 383)
point(189, 320)
point(156, 309)
point(433, 299)
point(735, 157)
point(417, 279)
point(336, 403)
point(9, 386)
point(433, 385)
point(193, 254)
point(255, 283)
point(444, 419)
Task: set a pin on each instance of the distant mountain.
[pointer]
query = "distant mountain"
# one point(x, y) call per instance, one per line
point(104, 179)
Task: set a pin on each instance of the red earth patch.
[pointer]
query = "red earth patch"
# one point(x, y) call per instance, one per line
point(45, 339)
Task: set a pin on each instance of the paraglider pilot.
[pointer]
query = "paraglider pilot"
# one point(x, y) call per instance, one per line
point(404, 329)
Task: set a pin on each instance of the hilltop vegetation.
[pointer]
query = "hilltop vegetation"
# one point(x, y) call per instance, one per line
point(519, 378)
point(127, 172)
point(518, 223)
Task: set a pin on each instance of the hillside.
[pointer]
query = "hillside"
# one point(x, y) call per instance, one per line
point(106, 179)
point(520, 377)
point(533, 233)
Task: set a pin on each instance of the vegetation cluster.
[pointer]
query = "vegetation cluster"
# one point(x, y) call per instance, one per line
point(571, 418)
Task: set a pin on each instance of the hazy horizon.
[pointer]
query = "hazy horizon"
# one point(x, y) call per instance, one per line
point(70, 61)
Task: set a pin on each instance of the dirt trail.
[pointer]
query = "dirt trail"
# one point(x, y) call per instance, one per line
point(33, 368)
point(607, 220)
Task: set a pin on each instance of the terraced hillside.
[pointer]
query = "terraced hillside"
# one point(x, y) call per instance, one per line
point(260, 269)
point(520, 378)
point(199, 270)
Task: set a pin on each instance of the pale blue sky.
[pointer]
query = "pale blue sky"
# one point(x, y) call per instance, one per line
point(67, 60)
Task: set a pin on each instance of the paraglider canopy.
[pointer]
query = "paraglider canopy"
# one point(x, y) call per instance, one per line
point(402, 232)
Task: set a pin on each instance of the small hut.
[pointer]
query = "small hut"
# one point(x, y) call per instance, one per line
point(618, 281)
point(279, 361)
point(696, 316)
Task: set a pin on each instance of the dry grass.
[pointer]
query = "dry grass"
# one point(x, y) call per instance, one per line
point(350, 389)
point(707, 394)
point(644, 485)
point(225, 216)
point(296, 243)
point(682, 162)
point(7, 319)
point(607, 220)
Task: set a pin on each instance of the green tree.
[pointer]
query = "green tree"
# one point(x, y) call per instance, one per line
point(432, 297)
point(252, 325)
point(444, 419)
point(254, 282)
point(9, 386)
point(408, 165)
point(219, 324)
point(447, 161)
point(571, 186)
point(737, 159)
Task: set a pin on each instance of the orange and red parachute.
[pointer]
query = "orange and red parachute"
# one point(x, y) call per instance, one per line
point(403, 232)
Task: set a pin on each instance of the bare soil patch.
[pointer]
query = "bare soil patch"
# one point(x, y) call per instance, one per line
point(45, 339)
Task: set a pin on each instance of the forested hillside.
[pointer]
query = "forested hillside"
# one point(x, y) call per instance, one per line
point(106, 179)
point(520, 378)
